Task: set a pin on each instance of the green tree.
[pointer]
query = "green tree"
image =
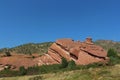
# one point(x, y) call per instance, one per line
point(71, 64)
point(64, 63)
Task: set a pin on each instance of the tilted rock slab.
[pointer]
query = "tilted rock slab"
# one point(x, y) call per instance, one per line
point(82, 53)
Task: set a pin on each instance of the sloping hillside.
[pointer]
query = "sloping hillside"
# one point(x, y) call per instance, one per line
point(107, 44)
point(29, 48)
point(43, 47)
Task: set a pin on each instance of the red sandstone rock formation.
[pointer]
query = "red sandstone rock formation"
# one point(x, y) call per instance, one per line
point(82, 53)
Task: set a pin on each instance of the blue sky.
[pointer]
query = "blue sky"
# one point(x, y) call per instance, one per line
point(24, 21)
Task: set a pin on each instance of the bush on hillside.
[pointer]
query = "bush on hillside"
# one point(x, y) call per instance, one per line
point(22, 70)
point(33, 70)
point(64, 63)
point(7, 54)
point(112, 53)
point(114, 58)
point(8, 73)
point(71, 64)
point(49, 68)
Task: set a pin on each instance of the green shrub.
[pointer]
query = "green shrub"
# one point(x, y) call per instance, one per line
point(9, 73)
point(8, 54)
point(112, 53)
point(71, 64)
point(43, 69)
point(64, 63)
point(114, 58)
point(94, 65)
point(33, 70)
point(22, 70)
point(49, 68)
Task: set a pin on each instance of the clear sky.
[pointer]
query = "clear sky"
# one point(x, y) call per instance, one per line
point(24, 21)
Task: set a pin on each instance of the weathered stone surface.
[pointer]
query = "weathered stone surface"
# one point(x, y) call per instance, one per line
point(16, 61)
point(74, 51)
point(95, 50)
point(84, 58)
point(45, 60)
point(81, 52)
point(59, 49)
point(65, 43)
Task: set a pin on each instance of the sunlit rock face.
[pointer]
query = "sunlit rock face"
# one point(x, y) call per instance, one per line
point(82, 53)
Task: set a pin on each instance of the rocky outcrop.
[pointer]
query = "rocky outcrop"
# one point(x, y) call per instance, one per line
point(82, 53)
point(16, 61)
point(45, 60)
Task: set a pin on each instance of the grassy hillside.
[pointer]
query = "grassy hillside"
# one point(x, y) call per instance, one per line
point(107, 44)
point(29, 48)
point(102, 73)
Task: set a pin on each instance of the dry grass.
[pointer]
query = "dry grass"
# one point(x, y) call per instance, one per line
point(103, 73)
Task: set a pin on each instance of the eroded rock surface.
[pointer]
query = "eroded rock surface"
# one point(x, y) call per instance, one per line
point(82, 53)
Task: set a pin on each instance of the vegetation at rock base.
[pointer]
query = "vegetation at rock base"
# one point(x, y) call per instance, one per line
point(71, 64)
point(64, 63)
point(48, 69)
point(101, 73)
point(114, 57)
point(94, 71)
point(112, 53)
point(22, 70)
point(64, 66)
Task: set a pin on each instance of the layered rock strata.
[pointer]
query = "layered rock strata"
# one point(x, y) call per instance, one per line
point(82, 53)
